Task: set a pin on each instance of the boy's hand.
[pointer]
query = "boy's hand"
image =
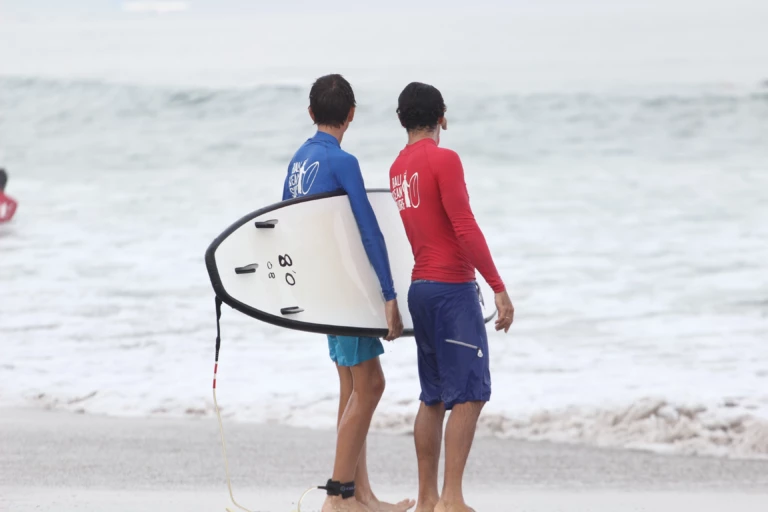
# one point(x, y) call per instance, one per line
point(394, 320)
point(506, 311)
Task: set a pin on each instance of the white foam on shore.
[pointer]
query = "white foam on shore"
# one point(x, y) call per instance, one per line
point(653, 424)
point(650, 424)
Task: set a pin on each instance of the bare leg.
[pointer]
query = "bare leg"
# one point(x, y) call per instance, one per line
point(367, 388)
point(428, 435)
point(364, 493)
point(345, 390)
point(459, 434)
point(346, 385)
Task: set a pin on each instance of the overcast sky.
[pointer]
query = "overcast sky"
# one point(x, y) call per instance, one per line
point(24, 8)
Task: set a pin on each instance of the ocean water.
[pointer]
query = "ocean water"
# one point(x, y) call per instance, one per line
point(623, 189)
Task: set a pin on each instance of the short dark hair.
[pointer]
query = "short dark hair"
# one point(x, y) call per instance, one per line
point(331, 98)
point(420, 106)
point(3, 178)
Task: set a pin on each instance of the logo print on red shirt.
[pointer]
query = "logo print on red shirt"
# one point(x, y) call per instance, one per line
point(405, 191)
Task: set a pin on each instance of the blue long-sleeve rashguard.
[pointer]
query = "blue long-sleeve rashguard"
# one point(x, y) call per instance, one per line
point(320, 165)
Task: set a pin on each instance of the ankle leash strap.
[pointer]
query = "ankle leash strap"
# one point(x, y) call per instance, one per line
point(336, 488)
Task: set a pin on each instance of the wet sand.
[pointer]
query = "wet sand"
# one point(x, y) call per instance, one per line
point(67, 462)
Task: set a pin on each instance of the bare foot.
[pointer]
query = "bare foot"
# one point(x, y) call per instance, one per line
point(336, 504)
point(379, 506)
point(453, 507)
point(426, 506)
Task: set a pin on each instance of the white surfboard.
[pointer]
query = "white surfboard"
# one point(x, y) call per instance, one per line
point(301, 264)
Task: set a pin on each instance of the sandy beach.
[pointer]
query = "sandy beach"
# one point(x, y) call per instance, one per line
point(69, 462)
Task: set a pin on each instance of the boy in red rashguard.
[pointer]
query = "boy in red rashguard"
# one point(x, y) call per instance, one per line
point(427, 184)
point(7, 204)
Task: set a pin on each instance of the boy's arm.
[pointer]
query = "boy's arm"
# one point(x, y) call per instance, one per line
point(351, 180)
point(455, 199)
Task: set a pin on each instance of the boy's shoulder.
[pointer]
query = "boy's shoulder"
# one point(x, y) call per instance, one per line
point(305, 146)
point(442, 152)
point(343, 157)
point(442, 157)
point(430, 155)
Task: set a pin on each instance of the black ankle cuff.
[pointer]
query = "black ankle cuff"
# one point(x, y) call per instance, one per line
point(347, 490)
point(335, 488)
point(331, 488)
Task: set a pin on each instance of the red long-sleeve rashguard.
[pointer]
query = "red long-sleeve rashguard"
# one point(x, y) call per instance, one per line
point(7, 208)
point(427, 184)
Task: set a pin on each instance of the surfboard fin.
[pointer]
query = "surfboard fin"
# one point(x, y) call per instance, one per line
point(266, 224)
point(291, 311)
point(248, 269)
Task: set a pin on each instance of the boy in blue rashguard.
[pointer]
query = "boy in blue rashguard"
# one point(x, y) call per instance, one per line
point(320, 165)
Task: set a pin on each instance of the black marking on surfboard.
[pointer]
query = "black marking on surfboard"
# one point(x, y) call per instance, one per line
point(282, 321)
point(291, 311)
point(248, 269)
point(266, 224)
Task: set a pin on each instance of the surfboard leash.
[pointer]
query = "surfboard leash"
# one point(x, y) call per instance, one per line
point(221, 425)
point(218, 412)
point(315, 488)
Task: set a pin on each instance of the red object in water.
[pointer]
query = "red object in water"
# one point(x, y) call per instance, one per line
point(7, 208)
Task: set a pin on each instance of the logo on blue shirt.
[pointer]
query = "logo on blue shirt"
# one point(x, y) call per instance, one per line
point(302, 177)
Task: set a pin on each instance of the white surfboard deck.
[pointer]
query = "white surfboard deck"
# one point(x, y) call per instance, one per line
point(305, 267)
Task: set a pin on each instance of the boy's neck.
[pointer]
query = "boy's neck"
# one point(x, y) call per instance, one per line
point(337, 132)
point(416, 136)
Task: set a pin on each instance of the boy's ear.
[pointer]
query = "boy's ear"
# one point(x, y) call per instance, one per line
point(351, 115)
point(311, 114)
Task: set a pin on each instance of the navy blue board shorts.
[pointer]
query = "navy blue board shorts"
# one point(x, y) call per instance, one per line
point(451, 341)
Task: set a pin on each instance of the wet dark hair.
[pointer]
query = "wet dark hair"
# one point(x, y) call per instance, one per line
point(3, 178)
point(420, 106)
point(331, 98)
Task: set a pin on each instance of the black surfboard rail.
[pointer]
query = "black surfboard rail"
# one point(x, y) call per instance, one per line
point(282, 321)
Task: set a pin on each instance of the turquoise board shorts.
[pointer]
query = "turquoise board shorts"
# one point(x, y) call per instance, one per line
point(353, 350)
